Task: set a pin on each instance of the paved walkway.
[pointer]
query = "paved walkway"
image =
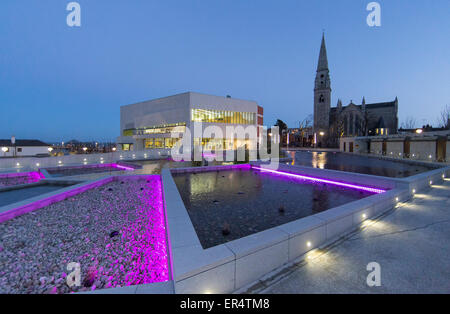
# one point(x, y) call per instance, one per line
point(411, 244)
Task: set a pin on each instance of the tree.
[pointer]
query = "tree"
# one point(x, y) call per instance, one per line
point(307, 122)
point(281, 126)
point(444, 119)
point(409, 123)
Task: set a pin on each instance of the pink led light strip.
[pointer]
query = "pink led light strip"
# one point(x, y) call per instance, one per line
point(348, 185)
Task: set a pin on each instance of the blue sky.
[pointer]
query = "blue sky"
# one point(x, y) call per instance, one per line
point(59, 83)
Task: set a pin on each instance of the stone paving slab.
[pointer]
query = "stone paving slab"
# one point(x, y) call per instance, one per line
point(411, 244)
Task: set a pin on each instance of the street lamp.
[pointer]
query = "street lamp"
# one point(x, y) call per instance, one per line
point(85, 149)
point(4, 150)
point(50, 149)
point(322, 133)
point(114, 149)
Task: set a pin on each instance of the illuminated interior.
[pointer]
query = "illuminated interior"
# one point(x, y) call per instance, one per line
point(222, 143)
point(160, 129)
point(160, 142)
point(222, 116)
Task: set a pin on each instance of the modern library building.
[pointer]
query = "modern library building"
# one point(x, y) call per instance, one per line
point(161, 123)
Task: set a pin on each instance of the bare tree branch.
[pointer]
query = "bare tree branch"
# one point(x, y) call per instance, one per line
point(409, 123)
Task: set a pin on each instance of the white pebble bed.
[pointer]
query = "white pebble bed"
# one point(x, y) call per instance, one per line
point(36, 248)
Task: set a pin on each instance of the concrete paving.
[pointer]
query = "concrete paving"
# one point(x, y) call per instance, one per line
point(411, 243)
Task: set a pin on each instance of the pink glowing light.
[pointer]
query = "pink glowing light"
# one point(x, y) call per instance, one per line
point(16, 178)
point(209, 155)
point(347, 185)
point(121, 167)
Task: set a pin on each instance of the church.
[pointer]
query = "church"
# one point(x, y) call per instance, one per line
point(364, 119)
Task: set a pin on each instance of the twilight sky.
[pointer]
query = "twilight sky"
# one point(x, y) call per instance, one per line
point(59, 83)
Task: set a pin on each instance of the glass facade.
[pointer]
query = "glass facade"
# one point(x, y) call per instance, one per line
point(160, 142)
point(160, 129)
point(127, 147)
point(222, 143)
point(222, 116)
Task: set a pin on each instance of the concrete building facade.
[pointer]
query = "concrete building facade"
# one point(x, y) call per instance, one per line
point(161, 123)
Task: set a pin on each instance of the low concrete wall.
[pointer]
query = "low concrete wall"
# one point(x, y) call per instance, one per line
point(376, 147)
point(423, 150)
point(34, 163)
point(422, 147)
point(394, 148)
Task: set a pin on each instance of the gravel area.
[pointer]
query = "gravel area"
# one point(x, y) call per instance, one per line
point(116, 232)
point(19, 179)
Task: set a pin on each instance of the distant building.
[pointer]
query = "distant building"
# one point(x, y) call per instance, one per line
point(23, 148)
point(151, 124)
point(298, 137)
point(428, 145)
point(330, 124)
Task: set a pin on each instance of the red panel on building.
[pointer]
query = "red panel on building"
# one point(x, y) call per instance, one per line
point(260, 110)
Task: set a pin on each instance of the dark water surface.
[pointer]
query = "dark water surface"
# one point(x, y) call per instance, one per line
point(249, 201)
point(358, 164)
point(13, 196)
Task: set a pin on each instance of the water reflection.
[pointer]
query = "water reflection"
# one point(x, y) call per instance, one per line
point(358, 164)
point(319, 160)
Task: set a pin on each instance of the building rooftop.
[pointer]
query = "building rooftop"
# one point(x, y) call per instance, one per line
point(23, 143)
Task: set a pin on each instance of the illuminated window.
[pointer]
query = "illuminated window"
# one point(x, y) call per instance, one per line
point(127, 147)
point(149, 143)
point(128, 133)
point(159, 143)
point(160, 129)
point(220, 116)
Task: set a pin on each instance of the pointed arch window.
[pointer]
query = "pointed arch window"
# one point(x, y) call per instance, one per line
point(321, 99)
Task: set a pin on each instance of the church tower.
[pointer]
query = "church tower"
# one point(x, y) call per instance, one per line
point(322, 93)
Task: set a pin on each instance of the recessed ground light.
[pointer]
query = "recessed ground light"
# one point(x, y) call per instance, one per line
point(431, 182)
point(59, 161)
point(308, 244)
point(18, 164)
point(364, 216)
point(397, 199)
point(37, 165)
point(414, 191)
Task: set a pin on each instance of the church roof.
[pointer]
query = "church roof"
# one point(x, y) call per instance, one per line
point(323, 59)
point(372, 106)
point(381, 105)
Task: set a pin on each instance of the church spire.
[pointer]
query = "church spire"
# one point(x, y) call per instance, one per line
point(323, 59)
